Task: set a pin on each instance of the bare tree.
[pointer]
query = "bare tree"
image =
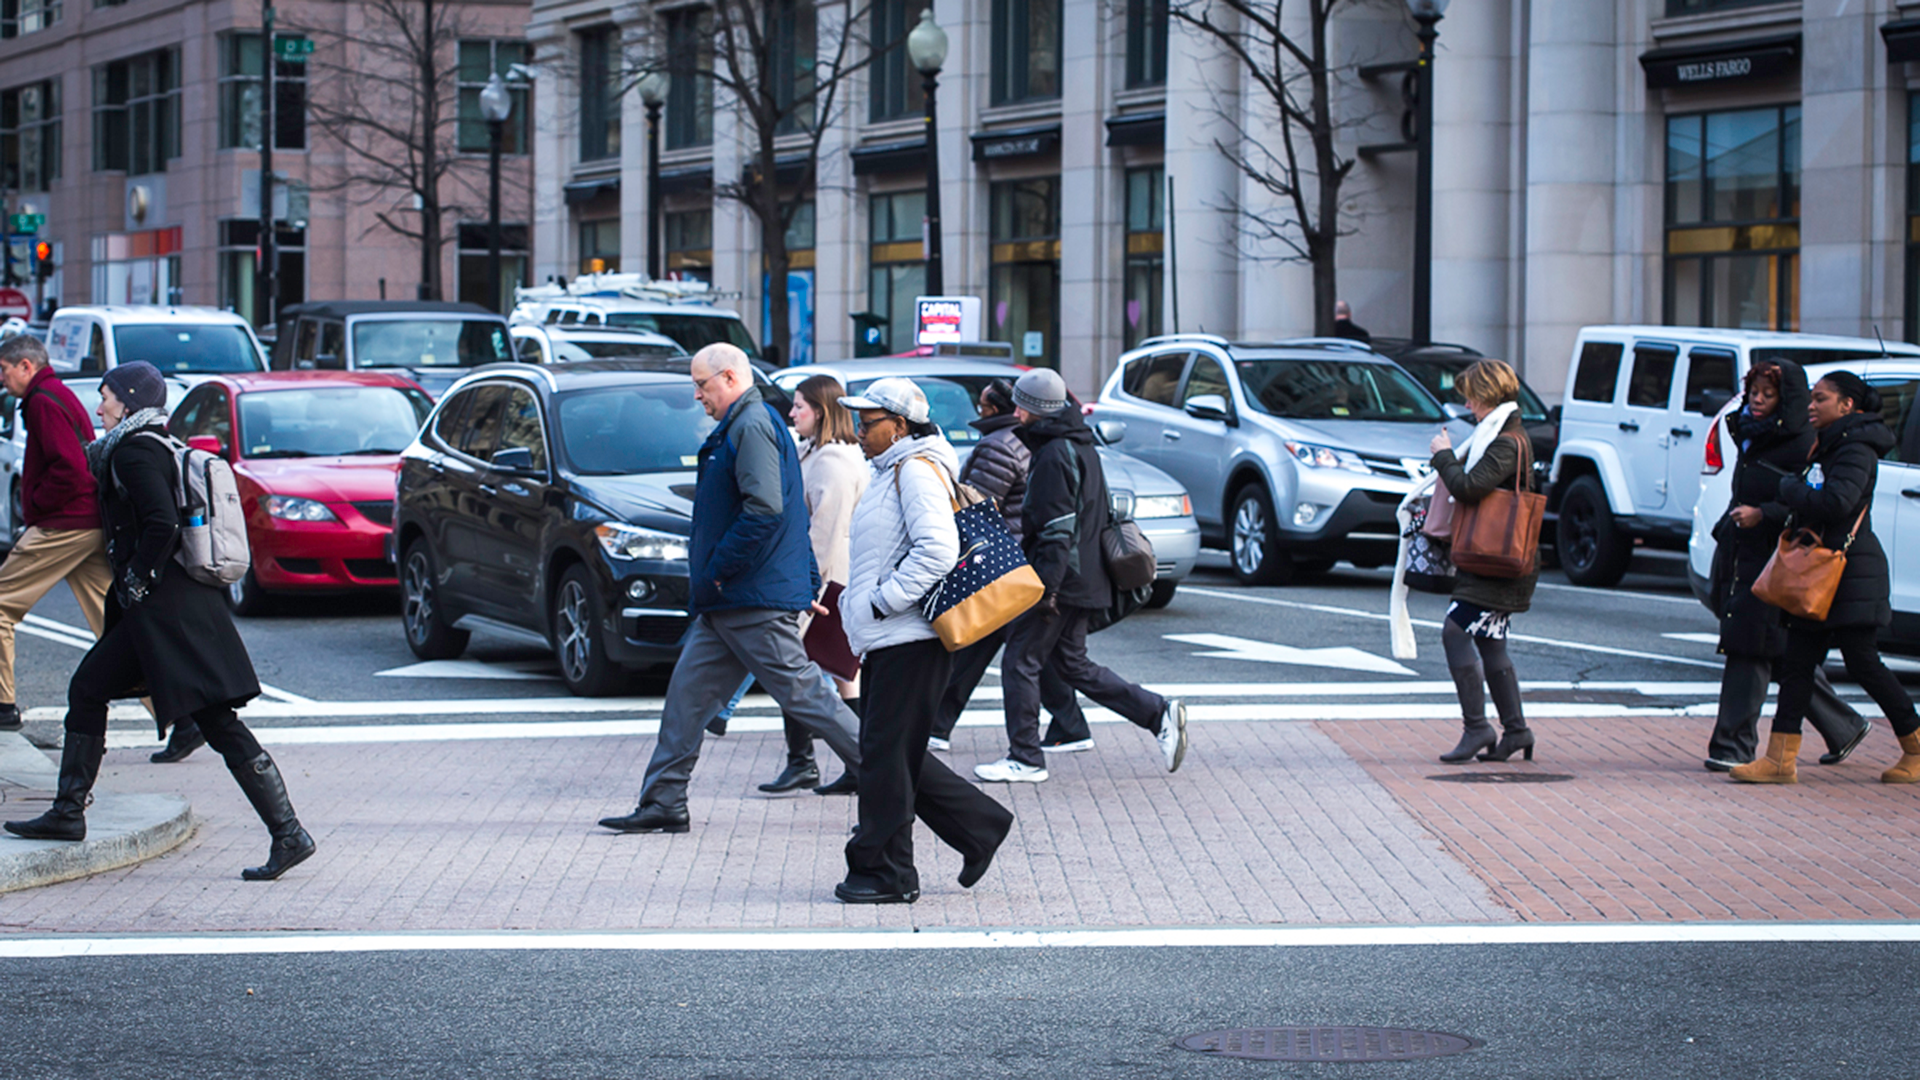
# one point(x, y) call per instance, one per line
point(1284, 143)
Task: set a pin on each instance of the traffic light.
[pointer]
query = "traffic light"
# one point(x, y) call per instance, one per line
point(43, 259)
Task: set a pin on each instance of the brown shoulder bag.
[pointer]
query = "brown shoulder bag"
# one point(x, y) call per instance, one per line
point(1801, 577)
point(1499, 536)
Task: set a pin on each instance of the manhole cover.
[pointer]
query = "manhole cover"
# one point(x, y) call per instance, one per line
point(1501, 777)
point(1327, 1043)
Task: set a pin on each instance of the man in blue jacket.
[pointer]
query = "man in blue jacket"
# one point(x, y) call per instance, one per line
point(753, 573)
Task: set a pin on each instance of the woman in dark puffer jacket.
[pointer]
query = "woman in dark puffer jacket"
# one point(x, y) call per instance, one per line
point(1834, 498)
point(1772, 435)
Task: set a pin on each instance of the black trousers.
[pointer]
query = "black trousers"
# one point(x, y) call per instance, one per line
point(111, 670)
point(900, 686)
point(1807, 650)
point(970, 666)
point(1058, 642)
point(1743, 694)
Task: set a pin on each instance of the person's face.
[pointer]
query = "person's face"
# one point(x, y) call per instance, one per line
point(806, 419)
point(1827, 405)
point(879, 430)
point(986, 407)
point(17, 374)
point(1763, 398)
point(716, 391)
point(1025, 417)
point(1480, 409)
point(111, 412)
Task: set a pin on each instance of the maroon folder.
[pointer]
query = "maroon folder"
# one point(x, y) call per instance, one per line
point(826, 641)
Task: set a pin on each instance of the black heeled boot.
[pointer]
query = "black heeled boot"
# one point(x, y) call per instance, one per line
point(66, 819)
point(1515, 737)
point(800, 772)
point(1474, 737)
point(260, 779)
point(183, 740)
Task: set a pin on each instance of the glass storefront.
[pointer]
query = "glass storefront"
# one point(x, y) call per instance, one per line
point(1024, 284)
point(1146, 260)
point(1733, 219)
point(896, 262)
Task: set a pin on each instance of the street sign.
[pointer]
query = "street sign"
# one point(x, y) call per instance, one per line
point(15, 304)
point(27, 223)
point(294, 50)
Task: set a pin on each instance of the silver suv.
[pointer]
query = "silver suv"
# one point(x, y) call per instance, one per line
point(1296, 453)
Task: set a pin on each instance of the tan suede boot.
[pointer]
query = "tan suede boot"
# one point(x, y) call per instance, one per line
point(1780, 766)
point(1907, 769)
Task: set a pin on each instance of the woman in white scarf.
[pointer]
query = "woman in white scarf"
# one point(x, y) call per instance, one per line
point(1475, 630)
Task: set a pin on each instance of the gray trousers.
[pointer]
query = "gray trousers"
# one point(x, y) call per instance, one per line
point(723, 648)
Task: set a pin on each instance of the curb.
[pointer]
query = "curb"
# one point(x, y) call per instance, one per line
point(121, 829)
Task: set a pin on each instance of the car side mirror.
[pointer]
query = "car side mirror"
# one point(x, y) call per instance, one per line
point(514, 459)
point(1712, 401)
point(1456, 410)
point(210, 443)
point(1209, 407)
point(1110, 431)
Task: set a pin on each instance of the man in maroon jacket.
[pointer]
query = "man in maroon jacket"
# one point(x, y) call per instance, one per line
point(64, 538)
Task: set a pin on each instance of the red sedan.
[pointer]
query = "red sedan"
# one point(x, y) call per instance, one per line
point(314, 454)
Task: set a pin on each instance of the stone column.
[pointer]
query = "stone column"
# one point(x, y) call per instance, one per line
point(636, 48)
point(839, 233)
point(1472, 175)
point(1204, 250)
point(554, 97)
point(1850, 230)
point(1086, 199)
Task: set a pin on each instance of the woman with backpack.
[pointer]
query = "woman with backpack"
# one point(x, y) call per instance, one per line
point(1833, 498)
point(166, 632)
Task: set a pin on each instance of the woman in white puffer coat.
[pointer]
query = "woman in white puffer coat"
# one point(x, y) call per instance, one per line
point(904, 542)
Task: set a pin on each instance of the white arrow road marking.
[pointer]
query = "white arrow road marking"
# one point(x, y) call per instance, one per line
point(1341, 656)
point(474, 669)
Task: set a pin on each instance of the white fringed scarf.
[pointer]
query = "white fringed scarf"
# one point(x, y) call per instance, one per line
point(1400, 621)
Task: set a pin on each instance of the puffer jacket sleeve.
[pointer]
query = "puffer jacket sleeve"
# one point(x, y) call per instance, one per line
point(1831, 507)
point(933, 542)
point(998, 468)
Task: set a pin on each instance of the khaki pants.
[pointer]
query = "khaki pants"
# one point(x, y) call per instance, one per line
point(37, 563)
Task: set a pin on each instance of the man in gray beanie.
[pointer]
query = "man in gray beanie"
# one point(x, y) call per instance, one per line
point(1062, 519)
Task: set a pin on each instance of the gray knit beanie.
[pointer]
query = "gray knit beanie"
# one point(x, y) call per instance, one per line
point(1041, 391)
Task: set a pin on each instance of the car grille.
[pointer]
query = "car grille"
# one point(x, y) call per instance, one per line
point(660, 629)
point(1393, 467)
point(380, 513)
point(299, 566)
point(371, 569)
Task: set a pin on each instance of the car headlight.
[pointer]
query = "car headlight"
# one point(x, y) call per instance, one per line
point(291, 508)
point(1162, 506)
point(623, 541)
point(1326, 457)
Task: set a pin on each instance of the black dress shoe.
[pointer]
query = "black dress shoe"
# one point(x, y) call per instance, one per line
point(1837, 756)
point(10, 717)
point(848, 784)
point(650, 817)
point(184, 740)
point(795, 776)
point(1721, 765)
point(866, 894)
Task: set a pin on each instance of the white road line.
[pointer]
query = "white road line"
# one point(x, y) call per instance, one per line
point(81, 637)
point(1688, 599)
point(70, 946)
point(1381, 616)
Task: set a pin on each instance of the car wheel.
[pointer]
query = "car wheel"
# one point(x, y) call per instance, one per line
point(1257, 558)
point(16, 514)
point(1592, 550)
point(576, 637)
point(428, 634)
point(1163, 591)
point(246, 597)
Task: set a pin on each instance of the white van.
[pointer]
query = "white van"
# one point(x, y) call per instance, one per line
point(178, 339)
point(1640, 401)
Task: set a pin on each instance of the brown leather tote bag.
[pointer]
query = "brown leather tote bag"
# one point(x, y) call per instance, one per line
point(1499, 536)
point(1802, 577)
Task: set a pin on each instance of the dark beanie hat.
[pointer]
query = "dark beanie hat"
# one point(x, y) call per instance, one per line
point(138, 385)
point(1865, 398)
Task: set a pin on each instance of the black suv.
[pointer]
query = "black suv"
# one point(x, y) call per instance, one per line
point(554, 503)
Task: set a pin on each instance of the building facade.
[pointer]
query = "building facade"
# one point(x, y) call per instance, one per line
point(134, 127)
point(1638, 161)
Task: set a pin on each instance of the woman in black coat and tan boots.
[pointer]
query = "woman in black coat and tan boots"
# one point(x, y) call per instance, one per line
point(166, 632)
point(1834, 498)
point(1773, 435)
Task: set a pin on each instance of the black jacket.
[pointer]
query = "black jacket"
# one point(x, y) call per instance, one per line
point(1494, 470)
point(998, 466)
point(1061, 533)
point(1847, 454)
point(1748, 626)
point(190, 653)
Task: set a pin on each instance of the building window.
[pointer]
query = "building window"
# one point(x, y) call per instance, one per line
point(1024, 280)
point(790, 40)
point(480, 59)
point(136, 113)
point(19, 17)
point(239, 256)
point(30, 137)
point(1146, 261)
point(1146, 42)
point(599, 105)
point(1700, 7)
point(600, 246)
point(895, 85)
point(689, 70)
point(1026, 50)
point(240, 97)
point(896, 262)
point(1733, 219)
point(688, 237)
point(514, 250)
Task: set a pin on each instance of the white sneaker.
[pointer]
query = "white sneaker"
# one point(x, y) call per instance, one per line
point(1009, 771)
point(1173, 733)
point(935, 742)
point(1078, 746)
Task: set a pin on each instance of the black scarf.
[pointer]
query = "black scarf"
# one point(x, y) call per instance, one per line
point(1748, 427)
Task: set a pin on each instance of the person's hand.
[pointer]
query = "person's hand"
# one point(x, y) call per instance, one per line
point(1442, 441)
point(820, 608)
point(133, 588)
point(1745, 516)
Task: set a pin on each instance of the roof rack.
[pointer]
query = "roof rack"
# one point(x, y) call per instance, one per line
point(1163, 339)
point(1346, 344)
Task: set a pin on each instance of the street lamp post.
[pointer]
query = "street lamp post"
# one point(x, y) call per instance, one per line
point(653, 94)
point(927, 48)
point(1426, 13)
point(496, 104)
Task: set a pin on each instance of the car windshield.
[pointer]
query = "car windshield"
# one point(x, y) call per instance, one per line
point(612, 350)
point(188, 349)
point(411, 343)
point(1335, 390)
point(88, 391)
point(953, 402)
point(649, 428)
point(331, 421)
point(1438, 375)
point(693, 332)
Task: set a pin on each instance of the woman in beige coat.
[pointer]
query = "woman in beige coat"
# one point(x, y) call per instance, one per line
point(834, 474)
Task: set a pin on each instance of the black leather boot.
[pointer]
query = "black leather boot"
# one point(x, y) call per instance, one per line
point(66, 819)
point(800, 772)
point(260, 779)
point(1504, 684)
point(848, 784)
point(183, 740)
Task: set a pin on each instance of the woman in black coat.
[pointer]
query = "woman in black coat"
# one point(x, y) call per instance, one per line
point(1834, 498)
point(1773, 435)
point(167, 634)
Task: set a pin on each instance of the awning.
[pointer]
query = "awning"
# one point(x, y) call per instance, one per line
point(1721, 62)
point(893, 157)
point(1015, 143)
point(585, 191)
point(1903, 40)
point(686, 178)
point(1137, 129)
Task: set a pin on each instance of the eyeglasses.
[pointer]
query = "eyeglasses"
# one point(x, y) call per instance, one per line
point(866, 423)
point(701, 384)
